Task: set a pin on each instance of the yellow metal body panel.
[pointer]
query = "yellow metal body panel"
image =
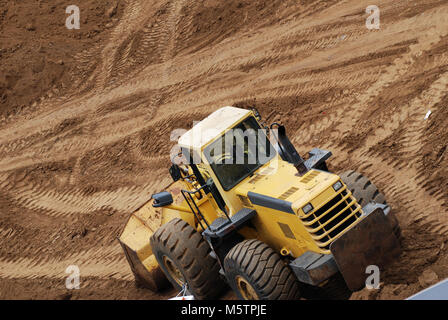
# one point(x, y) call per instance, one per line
point(283, 183)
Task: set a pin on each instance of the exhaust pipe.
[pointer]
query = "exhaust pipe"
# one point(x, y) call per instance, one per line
point(287, 150)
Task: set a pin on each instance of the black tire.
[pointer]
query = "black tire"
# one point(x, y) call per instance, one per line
point(255, 263)
point(177, 244)
point(365, 191)
point(362, 188)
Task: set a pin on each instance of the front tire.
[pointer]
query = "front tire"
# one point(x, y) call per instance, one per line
point(362, 188)
point(256, 272)
point(184, 257)
point(365, 191)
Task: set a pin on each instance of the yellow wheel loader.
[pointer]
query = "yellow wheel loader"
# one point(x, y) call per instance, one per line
point(246, 210)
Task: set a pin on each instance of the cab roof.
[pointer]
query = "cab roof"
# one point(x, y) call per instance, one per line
point(211, 127)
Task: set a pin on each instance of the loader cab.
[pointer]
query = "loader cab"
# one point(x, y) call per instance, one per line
point(228, 147)
point(238, 153)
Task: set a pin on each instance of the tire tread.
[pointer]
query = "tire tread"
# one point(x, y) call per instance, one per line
point(191, 253)
point(263, 268)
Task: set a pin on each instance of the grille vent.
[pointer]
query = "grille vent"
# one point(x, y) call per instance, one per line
point(245, 201)
point(288, 193)
point(310, 176)
point(286, 230)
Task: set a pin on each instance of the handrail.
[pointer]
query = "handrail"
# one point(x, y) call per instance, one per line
point(198, 212)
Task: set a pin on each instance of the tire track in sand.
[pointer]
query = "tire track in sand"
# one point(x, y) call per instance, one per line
point(102, 262)
point(55, 203)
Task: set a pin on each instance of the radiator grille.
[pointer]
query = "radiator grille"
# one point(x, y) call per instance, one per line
point(332, 219)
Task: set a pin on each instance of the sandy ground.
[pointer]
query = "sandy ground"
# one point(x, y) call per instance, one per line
point(86, 118)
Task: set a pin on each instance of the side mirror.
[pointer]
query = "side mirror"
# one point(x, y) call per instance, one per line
point(175, 172)
point(256, 113)
point(162, 199)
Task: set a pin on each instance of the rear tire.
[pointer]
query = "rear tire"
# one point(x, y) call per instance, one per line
point(256, 272)
point(365, 191)
point(184, 256)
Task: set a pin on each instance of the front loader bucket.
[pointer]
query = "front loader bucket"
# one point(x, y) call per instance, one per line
point(148, 275)
point(370, 242)
point(136, 244)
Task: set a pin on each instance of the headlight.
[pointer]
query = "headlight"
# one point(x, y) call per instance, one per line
point(307, 208)
point(337, 186)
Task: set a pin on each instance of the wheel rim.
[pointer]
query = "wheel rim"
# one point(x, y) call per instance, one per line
point(246, 290)
point(174, 271)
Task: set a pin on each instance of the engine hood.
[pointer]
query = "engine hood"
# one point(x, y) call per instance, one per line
point(280, 188)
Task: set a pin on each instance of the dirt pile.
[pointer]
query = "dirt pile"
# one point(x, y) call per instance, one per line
point(85, 142)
